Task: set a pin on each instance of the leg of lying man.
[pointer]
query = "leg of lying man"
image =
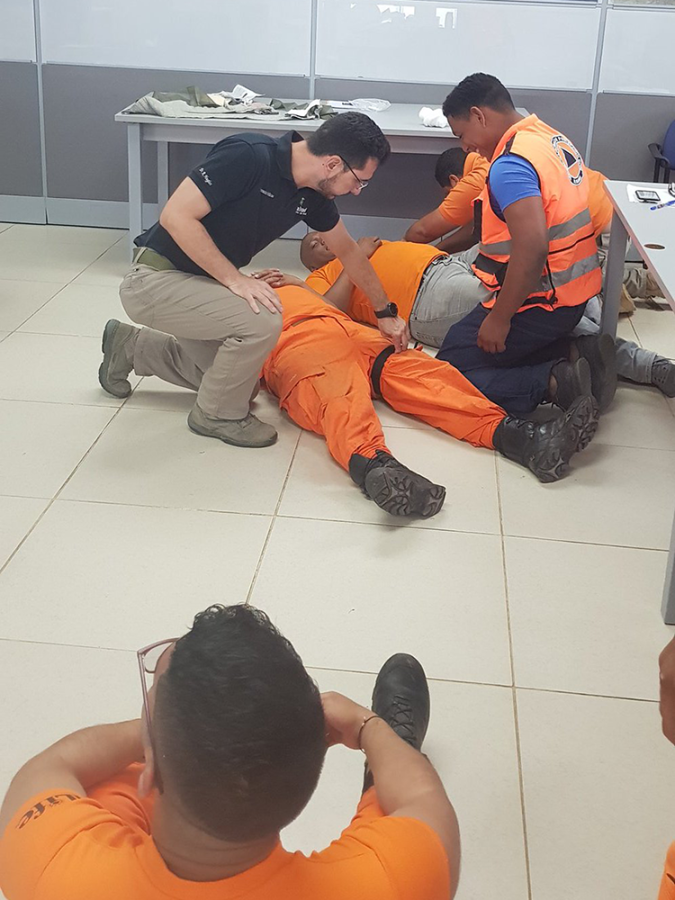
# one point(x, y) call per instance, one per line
point(322, 381)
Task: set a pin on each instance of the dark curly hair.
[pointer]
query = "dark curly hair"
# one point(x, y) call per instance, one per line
point(353, 136)
point(478, 89)
point(239, 726)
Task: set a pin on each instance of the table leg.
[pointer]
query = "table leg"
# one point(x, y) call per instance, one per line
point(135, 183)
point(668, 607)
point(162, 174)
point(616, 258)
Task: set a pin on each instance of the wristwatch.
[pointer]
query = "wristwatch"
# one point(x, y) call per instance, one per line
point(390, 311)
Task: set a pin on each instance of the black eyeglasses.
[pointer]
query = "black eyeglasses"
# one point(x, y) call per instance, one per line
point(362, 184)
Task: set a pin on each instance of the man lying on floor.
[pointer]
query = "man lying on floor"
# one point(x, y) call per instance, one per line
point(462, 176)
point(326, 369)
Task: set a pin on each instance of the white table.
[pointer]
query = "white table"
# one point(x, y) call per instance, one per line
point(652, 233)
point(400, 123)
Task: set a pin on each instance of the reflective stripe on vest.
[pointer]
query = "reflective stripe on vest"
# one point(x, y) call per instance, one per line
point(555, 233)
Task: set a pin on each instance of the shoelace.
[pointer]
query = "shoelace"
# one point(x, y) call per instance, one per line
point(400, 717)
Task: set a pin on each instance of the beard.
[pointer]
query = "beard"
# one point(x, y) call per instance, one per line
point(325, 187)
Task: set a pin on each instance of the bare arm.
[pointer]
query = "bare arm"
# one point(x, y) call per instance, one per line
point(361, 273)
point(428, 228)
point(459, 240)
point(76, 763)
point(529, 250)
point(181, 217)
point(405, 781)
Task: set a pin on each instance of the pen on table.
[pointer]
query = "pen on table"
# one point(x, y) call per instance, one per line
point(661, 205)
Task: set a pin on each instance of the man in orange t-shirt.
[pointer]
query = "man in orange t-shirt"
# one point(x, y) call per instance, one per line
point(233, 738)
point(461, 177)
point(432, 289)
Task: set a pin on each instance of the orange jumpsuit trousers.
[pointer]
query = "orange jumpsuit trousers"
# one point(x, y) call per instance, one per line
point(320, 371)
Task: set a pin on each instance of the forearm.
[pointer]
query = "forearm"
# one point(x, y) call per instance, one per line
point(195, 241)
point(360, 272)
point(417, 234)
point(340, 293)
point(97, 753)
point(401, 773)
point(462, 239)
point(523, 277)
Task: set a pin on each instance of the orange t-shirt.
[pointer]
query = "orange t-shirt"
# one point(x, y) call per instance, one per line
point(457, 207)
point(398, 264)
point(63, 847)
point(667, 889)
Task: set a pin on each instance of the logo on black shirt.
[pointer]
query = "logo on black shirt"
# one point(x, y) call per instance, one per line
point(301, 209)
point(206, 178)
point(267, 193)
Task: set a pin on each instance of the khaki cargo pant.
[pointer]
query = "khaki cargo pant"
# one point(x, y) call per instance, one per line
point(199, 335)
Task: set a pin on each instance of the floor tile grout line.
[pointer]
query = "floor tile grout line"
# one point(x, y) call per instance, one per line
point(514, 699)
point(433, 679)
point(268, 536)
point(56, 495)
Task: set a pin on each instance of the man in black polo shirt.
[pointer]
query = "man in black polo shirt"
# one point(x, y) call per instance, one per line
point(210, 328)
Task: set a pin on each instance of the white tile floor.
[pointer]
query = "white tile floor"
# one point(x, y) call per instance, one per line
point(534, 609)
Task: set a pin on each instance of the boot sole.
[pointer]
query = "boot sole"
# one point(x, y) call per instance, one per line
point(584, 416)
point(604, 394)
point(108, 336)
point(231, 441)
point(398, 494)
point(581, 423)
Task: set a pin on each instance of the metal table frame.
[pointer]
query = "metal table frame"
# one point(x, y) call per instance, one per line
point(653, 236)
point(400, 123)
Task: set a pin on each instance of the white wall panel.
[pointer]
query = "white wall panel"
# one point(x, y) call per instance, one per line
point(417, 40)
point(17, 30)
point(269, 36)
point(639, 52)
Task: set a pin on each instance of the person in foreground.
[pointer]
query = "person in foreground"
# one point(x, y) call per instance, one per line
point(186, 279)
point(189, 801)
point(667, 709)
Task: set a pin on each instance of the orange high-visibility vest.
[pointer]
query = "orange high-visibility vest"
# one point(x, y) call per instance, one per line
point(572, 273)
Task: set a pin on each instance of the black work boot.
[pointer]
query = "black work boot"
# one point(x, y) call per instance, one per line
point(395, 488)
point(546, 448)
point(401, 698)
point(599, 350)
point(569, 381)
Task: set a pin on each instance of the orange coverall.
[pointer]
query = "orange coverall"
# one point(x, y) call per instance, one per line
point(320, 371)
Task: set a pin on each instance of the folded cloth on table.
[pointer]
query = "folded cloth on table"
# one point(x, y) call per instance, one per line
point(433, 118)
point(193, 103)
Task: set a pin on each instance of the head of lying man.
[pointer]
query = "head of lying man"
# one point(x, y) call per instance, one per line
point(450, 168)
point(314, 251)
point(234, 743)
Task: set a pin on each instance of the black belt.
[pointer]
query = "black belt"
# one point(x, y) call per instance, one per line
point(378, 365)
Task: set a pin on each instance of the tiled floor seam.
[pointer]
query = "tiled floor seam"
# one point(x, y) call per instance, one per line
point(272, 523)
point(514, 698)
point(58, 492)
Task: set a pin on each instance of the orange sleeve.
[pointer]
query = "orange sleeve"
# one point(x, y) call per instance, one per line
point(119, 796)
point(319, 281)
point(457, 207)
point(667, 890)
point(54, 824)
point(408, 853)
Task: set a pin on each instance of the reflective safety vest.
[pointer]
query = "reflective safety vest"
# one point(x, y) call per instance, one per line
point(572, 272)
